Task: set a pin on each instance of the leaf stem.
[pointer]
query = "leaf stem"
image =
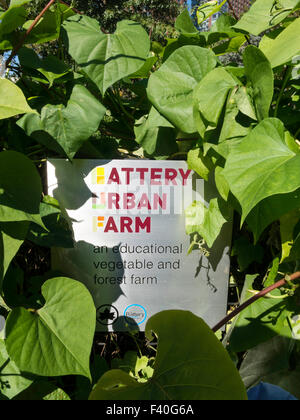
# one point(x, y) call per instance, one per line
point(32, 26)
point(285, 82)
point(259, 295)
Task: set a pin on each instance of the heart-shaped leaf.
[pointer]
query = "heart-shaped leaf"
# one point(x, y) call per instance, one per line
point(171, 88)
point(69, 126)
point(20, 189)
point(185, 24)
point(262, 165)
point(106, 59)
point(190, 365)
point(55, 340)
point(12, 100)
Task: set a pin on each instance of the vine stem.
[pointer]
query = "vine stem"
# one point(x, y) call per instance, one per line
point(29, 30)
point(259, 295)
point(284, 85)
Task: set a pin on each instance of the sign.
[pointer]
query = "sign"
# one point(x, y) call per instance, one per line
point(131, 248)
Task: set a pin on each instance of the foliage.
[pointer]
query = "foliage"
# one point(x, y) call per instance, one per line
point(187, 372)
point(114, 95)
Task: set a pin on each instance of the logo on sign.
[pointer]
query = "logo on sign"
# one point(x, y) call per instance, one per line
point(107, 315)
point(135, 314)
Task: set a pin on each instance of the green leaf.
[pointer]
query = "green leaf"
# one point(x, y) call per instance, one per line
point(46, 30)
point(55, 340)
point(12, 235)
point(20, 189)
point(259, 72)
point(184, 23)
point(50, 67)
point(197, 39)
point(262, 165)
point(211, 93)
point(154, 129)
point(231, 45)
point(59, 233)
point(12, 382)
point(285, 47)
point(271, 209)
point(144, 72)
point(33, 127)
point(259, 322)
point(244, 102)
point(12, 100)
point(106, 59)
point(221, 183)
point(264, 14)
point(288, 222)
point(274, 362)
point(13, 17)
point(204, 11)
point(190, 365)
point(69, 126)
point(222, 29)
point(199, 163)
point(127, 364)
point(171, 88)
point(208, 222)
point(233, 126)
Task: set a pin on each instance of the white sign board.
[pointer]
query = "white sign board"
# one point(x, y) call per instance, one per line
point(131, 249)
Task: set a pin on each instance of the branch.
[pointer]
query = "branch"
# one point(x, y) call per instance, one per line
point(232, 10)
point(259, 295)
point(21, 43)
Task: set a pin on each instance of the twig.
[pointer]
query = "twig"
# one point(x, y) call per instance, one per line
point(32, 26)
point(259, 295)
point(232, 9)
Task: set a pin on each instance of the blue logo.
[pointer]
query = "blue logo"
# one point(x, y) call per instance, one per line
point(135, 314)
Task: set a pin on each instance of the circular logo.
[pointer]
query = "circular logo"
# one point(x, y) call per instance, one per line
point(107, 315)
point(135, 314)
